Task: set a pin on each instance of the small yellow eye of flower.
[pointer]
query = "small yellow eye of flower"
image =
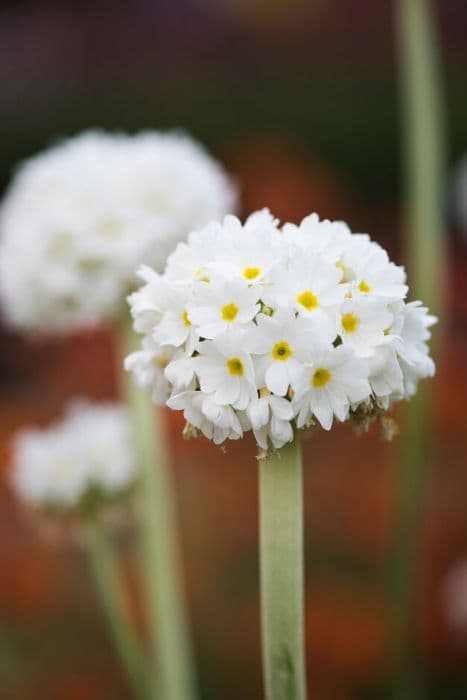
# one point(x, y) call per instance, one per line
point(282, 351)
point(387, 331)
point(61, 242)
point(162, 360)
point(229, 312)
point(251, 273)
point(110, 227)
point(320, 377)
point(350, 322)
point(200, 274)
point(364, 287)
point(185, 319)
point(308, 300)
point(235, 367)
point(89, 265)
point(343, 268)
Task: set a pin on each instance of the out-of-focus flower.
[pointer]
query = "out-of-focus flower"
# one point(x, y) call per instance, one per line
point(79, 219)
point(87, 457)
point(253, 327)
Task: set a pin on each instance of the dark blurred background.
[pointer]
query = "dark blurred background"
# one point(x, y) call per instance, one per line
point(299, 99)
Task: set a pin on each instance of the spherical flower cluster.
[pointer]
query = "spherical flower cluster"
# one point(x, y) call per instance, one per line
point(262, 328)
point(80, 218)
point(89, 455)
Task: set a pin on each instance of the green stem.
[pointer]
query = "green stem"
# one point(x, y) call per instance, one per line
point(422, 104)
point(110, 592)
point(159, 542)
point(281, 568)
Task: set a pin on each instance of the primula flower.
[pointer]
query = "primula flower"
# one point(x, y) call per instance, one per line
point(88, 212)
point(295, 327)
point(89, 453)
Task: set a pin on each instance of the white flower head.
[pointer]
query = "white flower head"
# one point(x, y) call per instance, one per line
point(91, 449)
point(256, 327)
point(81, 217)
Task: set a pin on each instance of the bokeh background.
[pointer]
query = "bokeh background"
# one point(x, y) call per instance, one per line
point(300, 102)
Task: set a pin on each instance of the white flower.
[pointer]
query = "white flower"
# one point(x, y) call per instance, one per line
point(91, 448)
point(270, 417)
point(310, 285)
point(217, 423)
point(385, 374)
point(329, 385)
point(222, 305)
point(279, 344)
point(148, 366)
point(372, 273)
point(364, 324)
point(145, 303)
point(225, 370)
point(269, 330)
point(80, 218)
point(253, 250)
point(329, 238)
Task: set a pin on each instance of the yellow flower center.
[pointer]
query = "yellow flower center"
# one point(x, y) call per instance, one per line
point(185, 319)
point(282, 351)
point(235, 367)
point(61, 242)
point(364, 287)
point(350, 322)
point(320, 378)
point(200, 273)
point(162, 360)
point(308, 300)
point(251, 273)
point(229, 312)
point(110, 227)
point(343, 268)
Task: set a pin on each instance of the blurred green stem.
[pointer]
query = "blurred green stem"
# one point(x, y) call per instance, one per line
point(109, 589)
point(281, 568)
point(423, 150)
point(159, 542)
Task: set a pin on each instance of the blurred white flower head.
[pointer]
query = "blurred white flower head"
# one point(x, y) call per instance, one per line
point(254, 327)
point(79, 218)
point(91, 451)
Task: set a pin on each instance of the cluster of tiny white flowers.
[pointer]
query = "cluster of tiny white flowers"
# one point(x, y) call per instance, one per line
point(79, 219)
point(90, 451)
point(262, 328)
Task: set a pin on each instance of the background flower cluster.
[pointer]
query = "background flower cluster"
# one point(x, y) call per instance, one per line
point(90, 451)
point(257, 327)
point(80, 218)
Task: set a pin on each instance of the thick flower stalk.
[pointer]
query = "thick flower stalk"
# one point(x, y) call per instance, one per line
point(79, 468)
point(268, 329)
